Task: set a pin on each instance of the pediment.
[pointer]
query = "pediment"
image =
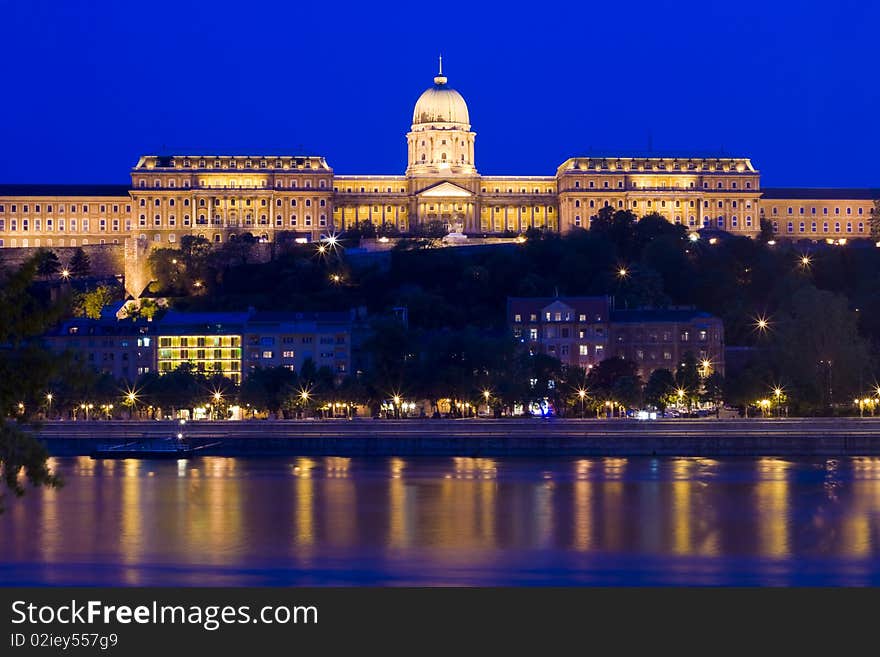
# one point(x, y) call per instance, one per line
point(558, 306)
point(445, 190)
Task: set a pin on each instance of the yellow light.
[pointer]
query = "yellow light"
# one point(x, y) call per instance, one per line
point(805, 261)
point(762, 323)
point(486, 394)
point(777, 391)
point(217, 396)
point(65, 273)
point(49, 396)
point(680, 392)
point(622, 272)
point(322, 248)
point(197, 284)
point(396, 400)
point(582, 393)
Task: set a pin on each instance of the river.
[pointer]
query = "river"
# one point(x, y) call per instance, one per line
point(219, 521)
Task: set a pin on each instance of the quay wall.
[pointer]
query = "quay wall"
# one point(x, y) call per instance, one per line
point(486, 438)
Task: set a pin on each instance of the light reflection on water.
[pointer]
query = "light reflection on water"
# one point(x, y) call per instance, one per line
point(472, 521)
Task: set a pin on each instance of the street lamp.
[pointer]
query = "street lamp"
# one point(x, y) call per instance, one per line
point(622, 272)
point(806, 262)
point(777, 393)
point(762, 324)
point(65, 274)
point(705, 367)
point(583, 395)
point(49, 403)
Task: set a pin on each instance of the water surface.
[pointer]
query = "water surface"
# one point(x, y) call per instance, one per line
point(464, 521)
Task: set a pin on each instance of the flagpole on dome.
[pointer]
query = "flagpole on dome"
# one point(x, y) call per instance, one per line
point(440, 79)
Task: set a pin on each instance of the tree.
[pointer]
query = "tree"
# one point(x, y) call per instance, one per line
point(48, 263)
point(713, 389)
point(875, 220)
point(91, 302)
point(687, 377)
point(614, 379)
point(816, 352)
point(766, 234)
point(270, 388)
point(80, 264)
point(25, 373)
point(660, 389)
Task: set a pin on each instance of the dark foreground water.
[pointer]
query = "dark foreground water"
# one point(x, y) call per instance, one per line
point(317, 521)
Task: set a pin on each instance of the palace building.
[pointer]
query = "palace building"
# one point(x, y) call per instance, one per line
point(222, 196)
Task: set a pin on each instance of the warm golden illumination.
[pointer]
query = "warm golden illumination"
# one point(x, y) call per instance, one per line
point(762, 324)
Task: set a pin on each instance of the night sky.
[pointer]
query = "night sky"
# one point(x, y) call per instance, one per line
point(87, 87)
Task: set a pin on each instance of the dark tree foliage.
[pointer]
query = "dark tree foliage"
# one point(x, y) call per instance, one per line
point(80, 264)
point(49, 265)
point(26, 372)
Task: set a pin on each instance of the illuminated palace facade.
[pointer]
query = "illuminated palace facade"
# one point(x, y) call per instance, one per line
point(219, 197)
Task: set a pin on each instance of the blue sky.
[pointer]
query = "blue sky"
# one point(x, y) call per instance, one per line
point(90, 86)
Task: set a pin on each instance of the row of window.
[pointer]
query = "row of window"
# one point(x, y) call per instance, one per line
point(802, 227)
point(661, 166)
point(774, 210)
point(50, 225)
point(49, 209)
point(231, 202)
point(635, 184)
point(232, 183)
point(231, 220)
point(25, 243)
point(242, 163)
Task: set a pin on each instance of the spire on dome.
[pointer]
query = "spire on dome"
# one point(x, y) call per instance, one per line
point(440, 79)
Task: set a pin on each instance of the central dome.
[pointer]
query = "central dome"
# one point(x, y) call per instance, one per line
point(440, 104)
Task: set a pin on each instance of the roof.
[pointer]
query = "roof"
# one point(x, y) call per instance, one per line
point(64, 190)
point(220, 322)
point(84, 326)
point(272, 317)
point(660, 315)
point(234, 162)
point(821, 193)
point(596, 308)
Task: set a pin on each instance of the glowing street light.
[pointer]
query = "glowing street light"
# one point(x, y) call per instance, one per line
point(65, 274)
point(583, 395)
point(762, 324)
point(777, 394)
point(705, 366)
point(622, 272)
point(806, 262)
point(336, 278)
point(322, 249)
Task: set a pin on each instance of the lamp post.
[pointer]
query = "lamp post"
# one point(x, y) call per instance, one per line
point(218, 398)
point(582, 394)
point(48, 405)
point(777, 393)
